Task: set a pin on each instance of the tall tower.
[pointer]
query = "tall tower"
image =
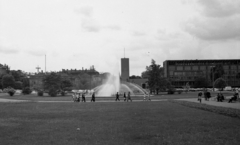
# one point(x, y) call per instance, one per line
point(124, 69)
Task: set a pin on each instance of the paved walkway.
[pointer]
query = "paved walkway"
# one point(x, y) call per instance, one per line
point(11, 100)
point(235, 105)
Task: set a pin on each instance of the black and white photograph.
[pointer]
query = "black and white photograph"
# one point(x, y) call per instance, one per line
point(119, 72)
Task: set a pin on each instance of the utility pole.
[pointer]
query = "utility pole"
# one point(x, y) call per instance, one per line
point(45, 64)
point(212, 78)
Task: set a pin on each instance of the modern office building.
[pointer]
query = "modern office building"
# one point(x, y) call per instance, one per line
point(124, 69)
point(186, 71)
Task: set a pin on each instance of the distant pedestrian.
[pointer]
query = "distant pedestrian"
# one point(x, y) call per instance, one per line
point(144, 97)
point(117, 97)
point(93, 97)
point(83, 97)
point(124, 96)
point(149, 99)
point(129, 97)
point(200, 97)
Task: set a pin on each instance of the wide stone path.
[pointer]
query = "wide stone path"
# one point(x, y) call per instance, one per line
point(235, 105)
point(11, 100)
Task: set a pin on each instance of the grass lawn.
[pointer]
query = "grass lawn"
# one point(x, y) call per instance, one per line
point(144, 123)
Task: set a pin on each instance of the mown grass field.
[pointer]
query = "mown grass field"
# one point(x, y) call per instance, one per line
point(161, 122)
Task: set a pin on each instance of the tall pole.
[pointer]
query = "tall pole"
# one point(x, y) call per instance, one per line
point(212, 80)
point(45, 63)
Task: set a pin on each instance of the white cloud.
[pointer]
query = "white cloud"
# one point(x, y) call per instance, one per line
point(220, 8)
point(86, 11)
point(90, 25)
point(138, 33)
point(7, 50)
point(218, 20)
point(214, 29)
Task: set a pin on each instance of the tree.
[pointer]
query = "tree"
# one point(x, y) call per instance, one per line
point(135, 77)
point(216, 72)
point(145, 75)
point(220, 83)
point(154, 73)
point(17, 74)
point(52, 83)
point(26, 82)
point(65, 86)
point(200, 82)
point(18, 85)
point(85, 81)
point(8, 81)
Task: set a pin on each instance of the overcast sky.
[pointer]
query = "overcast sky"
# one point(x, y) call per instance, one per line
point(80, 33)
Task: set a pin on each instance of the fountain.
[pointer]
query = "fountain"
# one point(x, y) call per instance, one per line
point(113, 84)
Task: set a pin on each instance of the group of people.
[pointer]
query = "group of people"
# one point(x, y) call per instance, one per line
point(77, 97)
point(234, 97)
point(80, 97)
point(126, 98)
point(205, 94)
point(219, 97)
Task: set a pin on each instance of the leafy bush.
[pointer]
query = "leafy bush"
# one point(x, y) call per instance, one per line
point(53, 92)
point(18, 85)
point(63, 93)
point(179, 91)
point(171, 90)
point(10, 91)
point(26, 91)
point(40, 93)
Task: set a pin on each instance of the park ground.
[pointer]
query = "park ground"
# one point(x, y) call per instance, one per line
point(167, 121)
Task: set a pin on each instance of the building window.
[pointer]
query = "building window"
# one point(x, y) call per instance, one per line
point(171, 67)
point(195, 67)
point(179, 67)
point(225, 67)
point(202, 67)
point(187, 68)
point(233, 67)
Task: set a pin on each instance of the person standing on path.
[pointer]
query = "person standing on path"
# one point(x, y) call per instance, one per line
point(129, 97)
point(124, 96)
point(117, 97)
point(144, 97)
point(200, 97)
point(93, 97)
point(83, 97)
point(149, 99)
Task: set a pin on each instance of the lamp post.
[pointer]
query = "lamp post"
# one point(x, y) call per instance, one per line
point(212, 78)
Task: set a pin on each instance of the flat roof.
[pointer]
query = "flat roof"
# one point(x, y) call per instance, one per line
point(205, 60)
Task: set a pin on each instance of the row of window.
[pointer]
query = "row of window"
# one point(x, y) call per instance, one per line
point(180, 68)
point(196, 73)
point(199, 62)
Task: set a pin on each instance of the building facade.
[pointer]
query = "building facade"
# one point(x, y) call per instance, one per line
point(182, 72)
point(125, 69)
